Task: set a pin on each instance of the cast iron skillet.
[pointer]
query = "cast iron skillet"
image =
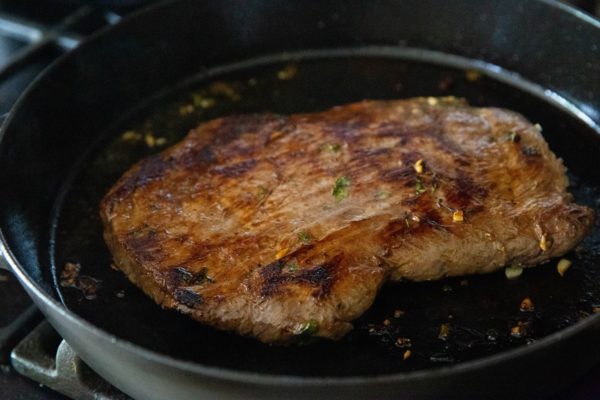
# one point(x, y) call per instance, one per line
point(61, 149)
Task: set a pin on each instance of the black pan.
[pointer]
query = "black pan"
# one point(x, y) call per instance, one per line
point(63, 146)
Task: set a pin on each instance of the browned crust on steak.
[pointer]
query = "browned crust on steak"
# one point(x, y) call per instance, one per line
point(237, 225)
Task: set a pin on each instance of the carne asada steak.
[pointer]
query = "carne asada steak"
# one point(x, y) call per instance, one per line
point(280, 227)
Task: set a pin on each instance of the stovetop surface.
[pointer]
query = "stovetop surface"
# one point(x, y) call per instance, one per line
point(14, 302)
point(32, 35)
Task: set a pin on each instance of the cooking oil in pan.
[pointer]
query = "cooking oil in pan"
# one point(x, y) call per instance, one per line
point(411, 325)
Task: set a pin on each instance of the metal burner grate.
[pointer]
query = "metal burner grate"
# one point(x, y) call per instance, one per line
point(44, 357)
point(28, 46)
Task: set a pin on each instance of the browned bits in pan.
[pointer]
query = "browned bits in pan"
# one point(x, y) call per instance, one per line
point(70, 277)
point(527, 305)
point(516, 331)
point(89, 286)
point(444, 331)
point(70, 274)
point(403, 342)
point(519, 330)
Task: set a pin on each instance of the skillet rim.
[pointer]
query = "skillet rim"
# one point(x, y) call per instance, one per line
point(9, 260)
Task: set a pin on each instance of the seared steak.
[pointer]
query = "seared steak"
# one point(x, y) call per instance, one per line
point(284, 226)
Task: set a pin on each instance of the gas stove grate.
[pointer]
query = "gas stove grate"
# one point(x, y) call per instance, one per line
point(27, 46)
point(44, 357)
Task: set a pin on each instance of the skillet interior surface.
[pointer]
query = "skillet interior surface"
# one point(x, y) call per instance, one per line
point(477, 311)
